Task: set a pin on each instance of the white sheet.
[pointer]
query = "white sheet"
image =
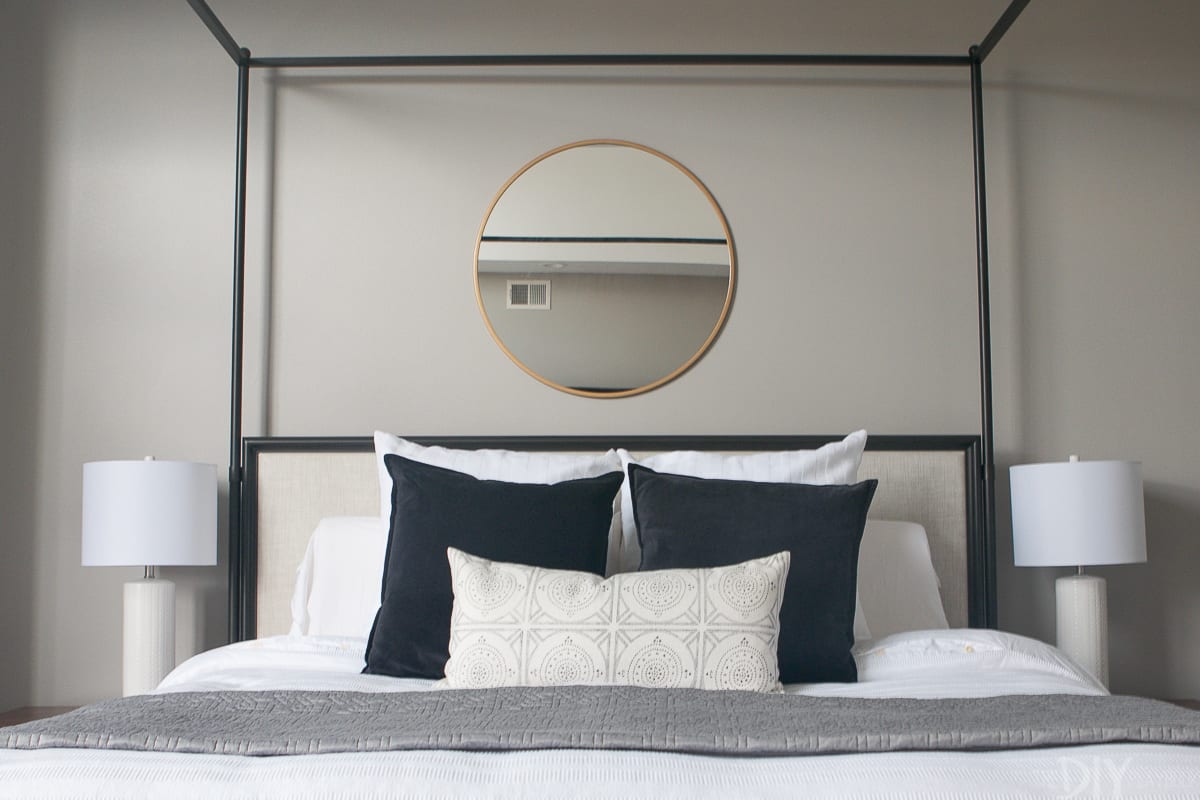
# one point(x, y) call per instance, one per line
point(939, 663)
point(951, 663)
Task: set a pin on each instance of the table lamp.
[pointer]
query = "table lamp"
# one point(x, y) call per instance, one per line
point(1079, 513)
point(152, 514)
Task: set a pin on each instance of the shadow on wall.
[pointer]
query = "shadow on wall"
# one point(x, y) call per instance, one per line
point(1025, 594)
point(22, 86)
point(201, 597)
point(1143, 617)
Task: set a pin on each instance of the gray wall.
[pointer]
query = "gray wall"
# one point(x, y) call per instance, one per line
point(849, 198)
point(1097, 171)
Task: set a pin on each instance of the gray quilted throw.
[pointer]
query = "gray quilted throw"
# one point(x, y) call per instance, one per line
point(599, 717)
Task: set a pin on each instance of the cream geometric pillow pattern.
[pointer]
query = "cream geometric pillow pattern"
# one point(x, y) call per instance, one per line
point(515, 625)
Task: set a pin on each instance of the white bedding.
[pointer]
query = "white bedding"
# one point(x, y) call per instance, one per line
point(954, 663)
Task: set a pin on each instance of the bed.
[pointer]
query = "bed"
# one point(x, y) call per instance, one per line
point(312, 538)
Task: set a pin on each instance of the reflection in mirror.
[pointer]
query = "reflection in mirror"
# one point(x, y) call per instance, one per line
point(604, 268)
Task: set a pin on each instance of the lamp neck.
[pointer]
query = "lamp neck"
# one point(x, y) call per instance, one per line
point(152, 573)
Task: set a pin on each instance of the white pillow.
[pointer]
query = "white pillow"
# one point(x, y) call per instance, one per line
point(969, 662)
point(339, 582)
point(897, 584)
point(514, 466)
point(515, 625)
point(834, 463)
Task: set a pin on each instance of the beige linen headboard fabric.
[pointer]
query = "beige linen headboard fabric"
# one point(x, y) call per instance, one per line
point(292, 484)
point(295, 491)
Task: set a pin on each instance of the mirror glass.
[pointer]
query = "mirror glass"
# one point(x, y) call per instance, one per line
point(604, 268)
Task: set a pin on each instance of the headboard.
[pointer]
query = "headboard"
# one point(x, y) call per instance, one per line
point(292, 482)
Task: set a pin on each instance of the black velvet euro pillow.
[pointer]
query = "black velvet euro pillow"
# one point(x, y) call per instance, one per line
point(558, 526)
point(686, 522)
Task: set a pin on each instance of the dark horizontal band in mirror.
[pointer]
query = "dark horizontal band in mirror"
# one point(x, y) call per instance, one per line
point(606, 239)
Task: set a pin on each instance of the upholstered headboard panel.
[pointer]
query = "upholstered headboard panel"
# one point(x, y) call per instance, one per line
point(290, 484)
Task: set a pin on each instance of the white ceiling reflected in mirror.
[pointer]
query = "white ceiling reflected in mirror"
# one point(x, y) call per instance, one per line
point(604, 268)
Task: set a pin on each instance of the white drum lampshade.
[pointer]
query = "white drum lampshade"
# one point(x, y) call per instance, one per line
point(153, 514)
point(1079, 513)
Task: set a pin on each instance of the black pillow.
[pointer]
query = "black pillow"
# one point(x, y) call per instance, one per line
point(700, 522)
point(557, 526)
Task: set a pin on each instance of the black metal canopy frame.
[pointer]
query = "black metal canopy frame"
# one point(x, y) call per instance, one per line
point(973, 61)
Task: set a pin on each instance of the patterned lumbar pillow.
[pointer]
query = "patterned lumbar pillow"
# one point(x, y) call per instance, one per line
point(515, 625)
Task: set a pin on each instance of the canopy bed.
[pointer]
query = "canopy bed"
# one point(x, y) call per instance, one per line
point(781, 614)
point(971, 62)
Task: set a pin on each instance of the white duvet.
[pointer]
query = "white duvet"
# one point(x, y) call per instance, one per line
point(955, 663)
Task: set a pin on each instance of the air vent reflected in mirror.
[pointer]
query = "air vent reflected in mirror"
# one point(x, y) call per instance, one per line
point(529, 295)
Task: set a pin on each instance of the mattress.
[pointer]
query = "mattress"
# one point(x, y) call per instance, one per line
point(953, 663)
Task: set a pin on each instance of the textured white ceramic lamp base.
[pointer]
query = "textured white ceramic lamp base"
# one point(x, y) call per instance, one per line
point(149, 634)
point(1082, 602)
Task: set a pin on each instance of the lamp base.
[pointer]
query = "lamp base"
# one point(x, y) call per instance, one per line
point(149, 634)
point(1082, 604)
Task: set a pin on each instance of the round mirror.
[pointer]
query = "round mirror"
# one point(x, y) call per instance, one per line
point(604, 268)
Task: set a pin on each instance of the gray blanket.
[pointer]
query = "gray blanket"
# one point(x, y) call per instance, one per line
point(609, 718)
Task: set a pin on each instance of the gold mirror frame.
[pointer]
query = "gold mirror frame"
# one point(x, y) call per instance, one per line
point(687, 364)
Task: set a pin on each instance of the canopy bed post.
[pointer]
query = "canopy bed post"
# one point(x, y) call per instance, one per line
point(239, 316)
point(984, 595)
point(988, 472)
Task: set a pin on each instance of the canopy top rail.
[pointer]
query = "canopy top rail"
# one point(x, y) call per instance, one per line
point(975, 54)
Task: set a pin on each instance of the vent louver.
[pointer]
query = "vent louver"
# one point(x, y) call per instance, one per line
point(529, 295)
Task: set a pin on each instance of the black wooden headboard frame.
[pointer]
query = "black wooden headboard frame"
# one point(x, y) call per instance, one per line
point(972, 61)
point(243, 548)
